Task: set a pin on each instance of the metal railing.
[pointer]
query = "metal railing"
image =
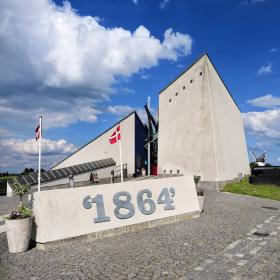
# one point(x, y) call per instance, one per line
point(117, 171)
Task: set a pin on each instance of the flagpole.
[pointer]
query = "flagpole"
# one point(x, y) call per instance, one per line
point(149, 139)
point(39, 163)
point(120, 146)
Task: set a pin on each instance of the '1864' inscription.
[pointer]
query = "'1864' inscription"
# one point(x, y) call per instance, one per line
point(122, 200)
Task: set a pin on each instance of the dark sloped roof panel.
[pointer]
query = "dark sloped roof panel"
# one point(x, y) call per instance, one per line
point(32, 179)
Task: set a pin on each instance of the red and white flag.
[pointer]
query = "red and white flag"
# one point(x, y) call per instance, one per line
point(38, 132)
point(116, 136)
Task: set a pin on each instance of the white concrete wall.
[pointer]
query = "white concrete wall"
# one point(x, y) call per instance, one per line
point(60, 214)
point(9, 190)
point(229, 136)
point(201, 130)
point(100, 148)
point(185, 130)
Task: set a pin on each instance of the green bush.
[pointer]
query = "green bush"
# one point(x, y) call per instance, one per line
point(23, 211)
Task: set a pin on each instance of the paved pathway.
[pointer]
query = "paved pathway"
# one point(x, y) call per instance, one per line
point(221, 244)
point(255, 256)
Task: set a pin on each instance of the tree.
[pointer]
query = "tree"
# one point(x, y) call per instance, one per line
point(42, 170)
point(27, 170)
point(20, 190)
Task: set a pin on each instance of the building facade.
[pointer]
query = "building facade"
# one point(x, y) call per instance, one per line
point(133, 135)
point(200, 127)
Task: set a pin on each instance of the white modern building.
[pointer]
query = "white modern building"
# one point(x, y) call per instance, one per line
point(200, 127)
point(200, 132)
point(133, 135)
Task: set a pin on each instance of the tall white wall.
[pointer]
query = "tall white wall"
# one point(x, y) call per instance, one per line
point(229, 136)
point(185, 140)
point(201, 130)
point(101, 148)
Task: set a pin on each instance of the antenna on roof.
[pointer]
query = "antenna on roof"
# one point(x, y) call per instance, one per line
point(151, 141)
point(260, 160)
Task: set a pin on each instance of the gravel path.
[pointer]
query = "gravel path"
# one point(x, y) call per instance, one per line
point(7, 204)
point(168, 252)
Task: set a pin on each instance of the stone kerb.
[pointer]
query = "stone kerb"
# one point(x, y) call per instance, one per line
point(94, 212)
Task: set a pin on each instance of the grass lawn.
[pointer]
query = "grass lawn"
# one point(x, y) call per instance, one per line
point(266, 191)
point(7, 177)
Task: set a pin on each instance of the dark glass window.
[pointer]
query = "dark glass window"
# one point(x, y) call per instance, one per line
point(191, 81)
point(170, 100)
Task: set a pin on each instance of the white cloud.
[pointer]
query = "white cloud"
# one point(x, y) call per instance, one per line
point(127, 90)
point(143, 114)
point(264, 124)
point(24, 153)
point(163, 4)
point(145, 76)
point(248, 2)
point(264, 70)
point(30, 146)
point(257, 1)
point(267, 101)
point(56, 113)
point(62, 65)
point(5, 132)
point(273, 50)
point(120, 110)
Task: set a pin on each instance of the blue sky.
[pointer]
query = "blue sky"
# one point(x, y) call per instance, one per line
point(60, 60)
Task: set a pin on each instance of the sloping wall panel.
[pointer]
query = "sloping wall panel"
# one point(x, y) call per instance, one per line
point(100, 147)
point(229, 137)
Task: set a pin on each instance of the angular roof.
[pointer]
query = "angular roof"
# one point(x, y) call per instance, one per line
point(189, 67)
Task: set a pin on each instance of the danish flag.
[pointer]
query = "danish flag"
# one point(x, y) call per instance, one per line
point(116, 136)
point(38, 132)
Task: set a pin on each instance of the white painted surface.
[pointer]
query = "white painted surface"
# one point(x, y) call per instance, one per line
point(201, 130)
point(100, 148)
point(229, 137)
point(59, 214)
point(9, 190)
point(18, 234)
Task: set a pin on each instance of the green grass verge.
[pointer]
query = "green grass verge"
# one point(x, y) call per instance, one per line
point(7, 177)
point(243, 187)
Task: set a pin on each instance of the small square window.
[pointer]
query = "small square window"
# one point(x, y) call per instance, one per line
point(170, 100)
point(164, 171)
point(170, 171)
point(178, 171)
point(176, 93)
point(184, 87)
point(191, 81)
point(200, 74)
